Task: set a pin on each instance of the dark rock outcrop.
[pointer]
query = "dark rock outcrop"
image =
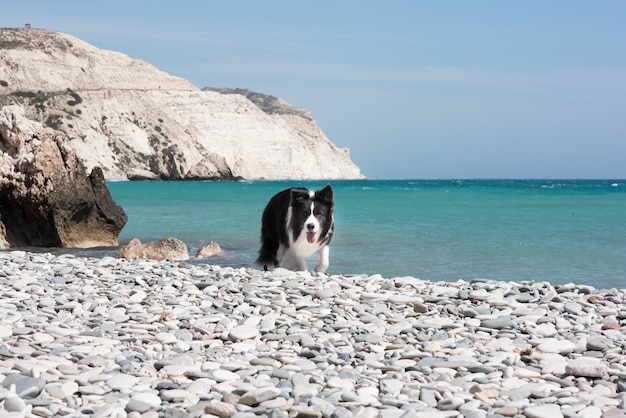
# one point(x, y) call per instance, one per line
point(46, 197)
point(4, 244)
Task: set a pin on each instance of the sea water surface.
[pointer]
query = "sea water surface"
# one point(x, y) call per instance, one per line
point(559, 231)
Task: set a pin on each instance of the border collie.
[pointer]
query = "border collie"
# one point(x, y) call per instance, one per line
point(296, 223)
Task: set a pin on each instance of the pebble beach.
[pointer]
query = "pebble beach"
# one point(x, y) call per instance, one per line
point(108, 337)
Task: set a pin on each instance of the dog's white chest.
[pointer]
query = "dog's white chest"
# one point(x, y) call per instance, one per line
point(301, 247)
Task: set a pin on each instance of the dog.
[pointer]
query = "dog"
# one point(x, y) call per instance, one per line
point(296, 223)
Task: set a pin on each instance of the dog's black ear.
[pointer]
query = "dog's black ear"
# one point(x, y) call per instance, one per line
point(299, 194)
point(325, 194)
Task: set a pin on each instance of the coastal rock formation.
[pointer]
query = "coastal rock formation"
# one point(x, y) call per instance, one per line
point(137, 122)
point(163, 249)
point(46, 197)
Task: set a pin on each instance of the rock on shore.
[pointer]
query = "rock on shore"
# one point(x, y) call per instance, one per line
point(162, 249)
point(111, 337)
point(46, 196)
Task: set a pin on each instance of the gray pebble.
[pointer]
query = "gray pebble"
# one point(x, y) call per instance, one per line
point(497, 323)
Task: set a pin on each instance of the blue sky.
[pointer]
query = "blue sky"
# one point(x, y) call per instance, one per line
point(415, 89)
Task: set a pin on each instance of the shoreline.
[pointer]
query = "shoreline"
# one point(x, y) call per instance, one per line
point(85, 336)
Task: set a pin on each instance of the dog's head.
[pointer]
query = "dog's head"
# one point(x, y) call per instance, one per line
point(312, 211)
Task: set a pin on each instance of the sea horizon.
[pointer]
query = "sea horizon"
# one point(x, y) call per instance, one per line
point(442, 230)
point(555, 230)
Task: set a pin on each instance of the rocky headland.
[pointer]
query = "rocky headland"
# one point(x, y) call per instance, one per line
point(138, 122)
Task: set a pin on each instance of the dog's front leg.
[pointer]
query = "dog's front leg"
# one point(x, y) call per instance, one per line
point(301, 264)
point(324, 253)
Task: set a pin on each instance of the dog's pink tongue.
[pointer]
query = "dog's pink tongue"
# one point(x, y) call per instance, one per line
point(310, 236)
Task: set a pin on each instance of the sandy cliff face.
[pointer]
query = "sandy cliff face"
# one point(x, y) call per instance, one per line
point(136, 121)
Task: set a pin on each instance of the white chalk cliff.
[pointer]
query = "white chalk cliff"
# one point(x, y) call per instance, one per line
point(136, 121)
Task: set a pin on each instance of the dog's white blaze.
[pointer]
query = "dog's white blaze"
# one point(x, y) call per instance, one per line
point(312, 220)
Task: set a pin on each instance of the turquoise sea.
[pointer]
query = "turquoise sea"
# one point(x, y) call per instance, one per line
point(559, 231)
